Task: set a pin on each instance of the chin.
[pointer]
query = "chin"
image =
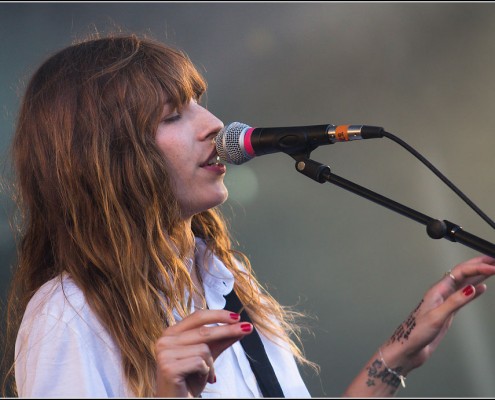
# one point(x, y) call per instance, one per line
point(221, 198)
point(213, 202)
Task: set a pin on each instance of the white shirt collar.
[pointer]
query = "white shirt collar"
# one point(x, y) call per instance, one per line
point(218, 281)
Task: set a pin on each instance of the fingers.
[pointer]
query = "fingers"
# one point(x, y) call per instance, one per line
point(472, 272)
point(182, 378)
point(187, 360)
point(480, 289)
point(185, 352)
point(198, 328)
point(200, 350)
point(206, 333)
point(482, 259)
point(457, 300)
point(184, 367)
point(480, 263)
point(218, 338)
point(204, 317)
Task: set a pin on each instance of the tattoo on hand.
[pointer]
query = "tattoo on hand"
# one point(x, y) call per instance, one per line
point(404, 329)
point(377, 371)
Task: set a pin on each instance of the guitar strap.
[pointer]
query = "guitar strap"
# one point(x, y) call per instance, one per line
point(255, 352)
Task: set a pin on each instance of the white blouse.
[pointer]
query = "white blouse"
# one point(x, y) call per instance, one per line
point(62, 350)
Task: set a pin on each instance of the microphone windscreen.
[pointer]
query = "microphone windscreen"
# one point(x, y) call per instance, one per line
point(230, 143)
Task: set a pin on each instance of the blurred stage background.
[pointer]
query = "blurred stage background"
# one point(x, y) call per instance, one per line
point(423, 71)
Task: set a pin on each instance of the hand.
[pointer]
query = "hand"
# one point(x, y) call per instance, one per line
point(418, 336)
point(186, 351)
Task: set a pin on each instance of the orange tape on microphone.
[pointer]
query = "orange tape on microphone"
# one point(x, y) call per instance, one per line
point(341, 132)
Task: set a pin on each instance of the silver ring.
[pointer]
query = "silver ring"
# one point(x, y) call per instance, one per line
point(449, 273)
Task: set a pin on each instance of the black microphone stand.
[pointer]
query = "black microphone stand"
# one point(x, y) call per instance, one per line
point(435, 228)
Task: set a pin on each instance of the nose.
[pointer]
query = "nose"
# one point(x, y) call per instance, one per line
point(211, 125)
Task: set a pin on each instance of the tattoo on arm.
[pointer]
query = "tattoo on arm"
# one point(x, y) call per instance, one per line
point(378, 372)
point(405, 328)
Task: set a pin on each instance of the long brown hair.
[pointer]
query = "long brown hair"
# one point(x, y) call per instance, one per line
point(97, 202)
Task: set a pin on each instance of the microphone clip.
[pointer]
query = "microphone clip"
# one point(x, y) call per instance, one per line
point(312, 169)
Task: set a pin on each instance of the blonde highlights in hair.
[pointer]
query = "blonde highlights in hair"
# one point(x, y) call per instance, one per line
point(97, 201)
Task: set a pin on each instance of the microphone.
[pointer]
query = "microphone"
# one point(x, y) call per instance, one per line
point(237, 142)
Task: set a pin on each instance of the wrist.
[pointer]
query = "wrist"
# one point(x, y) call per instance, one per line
point(395, 356)
point(397, 372)
point(379, 378)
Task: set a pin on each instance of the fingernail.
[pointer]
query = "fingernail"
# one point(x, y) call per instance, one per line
point(235, 316)
point(468, 290)
point(214, 378)
point(246, 327)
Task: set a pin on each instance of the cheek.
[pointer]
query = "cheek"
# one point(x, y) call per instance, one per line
point(171, 152)
point(177, 171)
point(164, 144)
point(180, 170)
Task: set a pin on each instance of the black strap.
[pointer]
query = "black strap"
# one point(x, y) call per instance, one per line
point(255, 352)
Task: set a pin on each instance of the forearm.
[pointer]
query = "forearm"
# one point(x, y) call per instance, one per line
point(377, 379)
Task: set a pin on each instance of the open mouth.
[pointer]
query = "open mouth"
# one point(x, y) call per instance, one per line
point(215, 160)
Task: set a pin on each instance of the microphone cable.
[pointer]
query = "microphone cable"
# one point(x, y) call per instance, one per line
point(441, 176)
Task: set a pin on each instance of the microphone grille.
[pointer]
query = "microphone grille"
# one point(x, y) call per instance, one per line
point(230, 142)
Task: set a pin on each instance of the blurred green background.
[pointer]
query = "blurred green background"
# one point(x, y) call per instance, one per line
point(423, 71)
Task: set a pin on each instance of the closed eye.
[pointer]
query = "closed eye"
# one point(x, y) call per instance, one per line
point(171, 118)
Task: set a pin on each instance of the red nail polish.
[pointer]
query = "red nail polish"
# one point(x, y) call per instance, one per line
point(246, 327)
point(214, 379)
point(235, 316)
point(468, 290)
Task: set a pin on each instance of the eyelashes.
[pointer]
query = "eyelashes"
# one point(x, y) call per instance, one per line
point(171, 119)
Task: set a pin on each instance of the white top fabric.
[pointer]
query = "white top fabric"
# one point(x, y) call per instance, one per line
point(63, 351)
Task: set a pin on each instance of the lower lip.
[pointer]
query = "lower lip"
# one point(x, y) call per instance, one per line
point(216, 168)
